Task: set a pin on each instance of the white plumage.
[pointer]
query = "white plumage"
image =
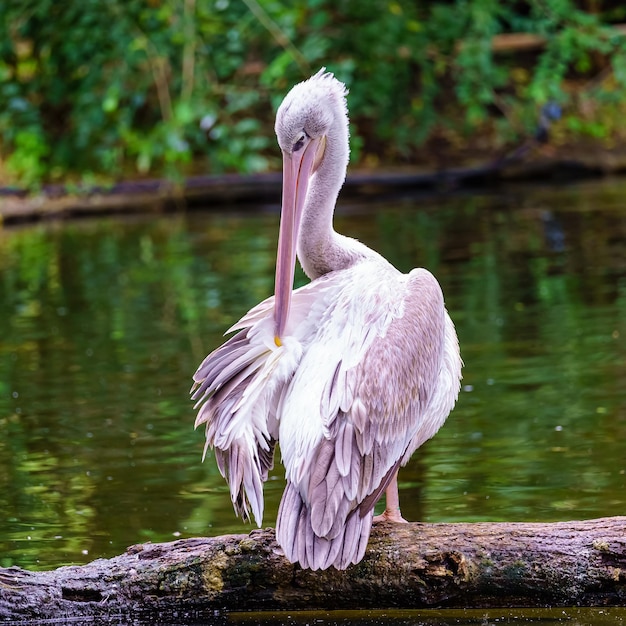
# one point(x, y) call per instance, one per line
point(350, 373)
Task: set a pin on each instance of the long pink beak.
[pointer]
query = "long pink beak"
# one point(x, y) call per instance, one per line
point(297, 170)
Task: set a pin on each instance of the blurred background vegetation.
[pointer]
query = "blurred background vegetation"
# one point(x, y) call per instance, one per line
point(92, 91)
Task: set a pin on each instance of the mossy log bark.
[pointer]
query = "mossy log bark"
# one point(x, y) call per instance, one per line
point(406, 566)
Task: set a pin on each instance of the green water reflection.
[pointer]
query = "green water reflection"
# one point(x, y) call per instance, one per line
point(103, 322)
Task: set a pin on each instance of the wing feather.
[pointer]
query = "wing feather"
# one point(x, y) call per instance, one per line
point(343, 449)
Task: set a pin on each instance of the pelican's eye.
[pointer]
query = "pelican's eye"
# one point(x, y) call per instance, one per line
point(300, 142)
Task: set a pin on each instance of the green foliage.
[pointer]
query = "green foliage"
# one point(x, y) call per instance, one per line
point(100, 90)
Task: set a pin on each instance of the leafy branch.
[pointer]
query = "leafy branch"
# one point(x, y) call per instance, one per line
point(97, 91)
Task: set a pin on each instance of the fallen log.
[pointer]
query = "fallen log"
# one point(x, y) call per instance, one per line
point(578, 563)
point(252, 192)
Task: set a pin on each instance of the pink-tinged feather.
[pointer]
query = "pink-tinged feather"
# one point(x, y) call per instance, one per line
point(343, 449)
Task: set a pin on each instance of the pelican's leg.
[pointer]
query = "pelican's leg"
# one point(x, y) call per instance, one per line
point(392, 504)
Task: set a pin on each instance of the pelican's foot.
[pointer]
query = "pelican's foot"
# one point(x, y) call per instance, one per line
point(392, 515)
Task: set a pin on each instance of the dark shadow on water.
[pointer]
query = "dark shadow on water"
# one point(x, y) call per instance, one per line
point(432, 617)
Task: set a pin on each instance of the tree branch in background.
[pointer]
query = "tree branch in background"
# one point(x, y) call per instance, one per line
point(189, 51)
point(279, 35)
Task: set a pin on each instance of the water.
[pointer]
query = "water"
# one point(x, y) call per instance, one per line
point(103, 322)
point(569, 616)
point(434, 617)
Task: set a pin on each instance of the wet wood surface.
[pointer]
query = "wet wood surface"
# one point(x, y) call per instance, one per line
point(409, 566)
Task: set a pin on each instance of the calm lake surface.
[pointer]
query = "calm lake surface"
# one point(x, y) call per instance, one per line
point(103, 322)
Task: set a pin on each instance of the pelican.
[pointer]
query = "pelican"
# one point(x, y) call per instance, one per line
point(350, 373)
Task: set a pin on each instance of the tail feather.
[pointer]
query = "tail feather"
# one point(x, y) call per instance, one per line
point(296, 535)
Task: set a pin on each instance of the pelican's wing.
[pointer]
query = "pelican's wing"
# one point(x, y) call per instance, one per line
point(359, 398)
point(238, 388)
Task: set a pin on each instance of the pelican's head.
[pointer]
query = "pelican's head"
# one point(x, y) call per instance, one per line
point(309, 112)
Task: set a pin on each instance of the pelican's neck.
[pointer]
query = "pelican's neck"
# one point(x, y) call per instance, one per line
point(320, 248)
